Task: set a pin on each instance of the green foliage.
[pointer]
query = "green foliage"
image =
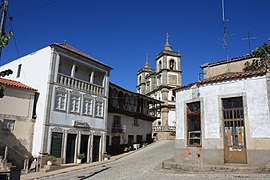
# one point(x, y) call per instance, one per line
point(6, 72)
point(126, 149)
point(5, 39)
point(81, 156)
point(52, 159)
point(259, 64)
point(3, 42)
point(173, 133)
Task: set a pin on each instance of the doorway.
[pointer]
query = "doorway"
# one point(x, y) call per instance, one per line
point(71, 142)
point(95, 152)
point(84, 146)
point(234, 131)
point(115, 145)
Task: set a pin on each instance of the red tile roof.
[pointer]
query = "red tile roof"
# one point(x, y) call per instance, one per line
point(15, 84)
point(70, 48)
point(224, 77)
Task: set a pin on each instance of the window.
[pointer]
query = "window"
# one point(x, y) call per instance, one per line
point(194, 123)
point(173, 98)
point(75, 104)
point(8, 125)
point(99, 109)
point(140, 79)
point(60, 100)
point(139, 138)
point(56, 144)
point(87, 106)
point(136, 122)
point(159, 65)
point(19, 70)
point(172, 64)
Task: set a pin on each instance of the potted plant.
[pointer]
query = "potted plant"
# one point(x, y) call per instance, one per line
point(51, 160)
point(80, 157)
point(106, 156)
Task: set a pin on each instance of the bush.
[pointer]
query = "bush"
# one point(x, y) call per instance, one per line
point(52, 159)
point(81, 156)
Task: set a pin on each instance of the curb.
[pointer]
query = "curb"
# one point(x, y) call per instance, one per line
point(78, 167)
point(171, 165)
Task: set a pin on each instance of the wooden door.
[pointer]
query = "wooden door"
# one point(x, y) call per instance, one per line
point(234, 131)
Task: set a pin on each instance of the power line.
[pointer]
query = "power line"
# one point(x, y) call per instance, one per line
point(14, 38)
point(36, 8)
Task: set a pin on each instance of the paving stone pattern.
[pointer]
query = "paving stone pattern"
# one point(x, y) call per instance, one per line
point(145, 165)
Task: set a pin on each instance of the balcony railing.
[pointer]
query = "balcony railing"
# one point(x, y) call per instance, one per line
point(163, 128)
point(71, 82)
point(119, 128)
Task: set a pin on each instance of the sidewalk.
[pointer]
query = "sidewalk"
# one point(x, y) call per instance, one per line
point(74, 167)
point(231, 167)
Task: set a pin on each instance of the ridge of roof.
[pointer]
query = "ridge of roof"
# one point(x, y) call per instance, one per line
point(70, 48)
point(224, 77)
point(17, 84)
point(239, 58)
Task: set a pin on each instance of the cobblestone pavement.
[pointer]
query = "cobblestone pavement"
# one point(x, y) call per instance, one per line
point(144, 165)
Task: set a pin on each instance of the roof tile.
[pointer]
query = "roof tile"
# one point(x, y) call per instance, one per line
point(13, 83)
point(224, 77)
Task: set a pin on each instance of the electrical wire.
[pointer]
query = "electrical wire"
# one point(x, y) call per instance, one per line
point(14, 38)
point(36, 8)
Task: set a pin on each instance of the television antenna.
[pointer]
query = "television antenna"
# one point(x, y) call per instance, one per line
point(225, 31)
point(249, 39)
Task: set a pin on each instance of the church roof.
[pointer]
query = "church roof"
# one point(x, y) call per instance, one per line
point(72, 49)
point(223, 77)
point(17, 84)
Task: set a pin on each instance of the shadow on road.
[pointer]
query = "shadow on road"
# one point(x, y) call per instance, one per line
point(94, 173)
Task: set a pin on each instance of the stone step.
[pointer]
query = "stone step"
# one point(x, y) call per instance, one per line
point(171, 165)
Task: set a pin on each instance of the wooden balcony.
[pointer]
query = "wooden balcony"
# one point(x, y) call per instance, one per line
point(119, 128)
point(74, 83)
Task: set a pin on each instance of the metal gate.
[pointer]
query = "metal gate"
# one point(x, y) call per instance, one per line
point(234, 130)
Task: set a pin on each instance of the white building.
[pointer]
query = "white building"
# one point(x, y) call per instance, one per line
point(224, 119)
point(130, 119)
point(72, 106)
point(158, 83)
point(17, 120)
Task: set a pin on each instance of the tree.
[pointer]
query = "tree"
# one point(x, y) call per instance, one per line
point(262, 54)
point(4, 39)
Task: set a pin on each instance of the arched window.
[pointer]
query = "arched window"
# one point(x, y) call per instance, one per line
point(172, 64)
point(140, 79)
point(159, 65)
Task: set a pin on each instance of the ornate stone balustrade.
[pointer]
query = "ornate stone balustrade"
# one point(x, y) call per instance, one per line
point(74, 83)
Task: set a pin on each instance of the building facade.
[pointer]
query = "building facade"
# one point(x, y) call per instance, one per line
point(17, 121)
point(236, 64)
point(158, 83)
point(73, 101)
point(130, 119)
point(224, 119)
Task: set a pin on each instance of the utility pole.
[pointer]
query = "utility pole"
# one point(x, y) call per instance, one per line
point(3, 21)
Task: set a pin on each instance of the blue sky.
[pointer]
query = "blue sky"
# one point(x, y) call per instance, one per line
point(121, 32)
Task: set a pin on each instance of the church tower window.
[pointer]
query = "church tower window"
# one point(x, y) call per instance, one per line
point(172, 64)
point(159, 65)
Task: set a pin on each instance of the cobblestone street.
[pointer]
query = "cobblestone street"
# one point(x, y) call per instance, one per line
point(145, 164)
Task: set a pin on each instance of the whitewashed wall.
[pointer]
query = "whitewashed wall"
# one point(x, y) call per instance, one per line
point(253, 89)
point(145, 127)
point(35, 69)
